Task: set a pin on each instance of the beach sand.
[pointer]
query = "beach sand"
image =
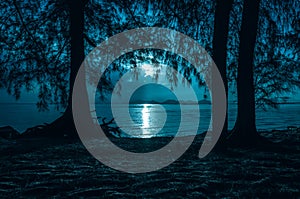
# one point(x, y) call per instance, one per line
point(44, 167)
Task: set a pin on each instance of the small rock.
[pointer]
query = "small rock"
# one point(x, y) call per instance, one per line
point(8, 132)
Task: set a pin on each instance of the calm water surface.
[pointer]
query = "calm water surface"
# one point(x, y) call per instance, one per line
point(150, 117)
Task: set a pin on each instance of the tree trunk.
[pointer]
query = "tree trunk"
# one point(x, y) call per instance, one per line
point(221, 24)
point(64, 125)
point(244, 132)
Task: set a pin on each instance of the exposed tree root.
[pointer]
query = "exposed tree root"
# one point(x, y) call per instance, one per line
point(64, 127)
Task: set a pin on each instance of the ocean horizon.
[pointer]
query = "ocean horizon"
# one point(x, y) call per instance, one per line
point(147, 117)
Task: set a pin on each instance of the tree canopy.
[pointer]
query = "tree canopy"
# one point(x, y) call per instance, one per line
point(35, 42)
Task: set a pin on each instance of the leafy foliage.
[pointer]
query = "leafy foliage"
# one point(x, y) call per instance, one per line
point(35, 43)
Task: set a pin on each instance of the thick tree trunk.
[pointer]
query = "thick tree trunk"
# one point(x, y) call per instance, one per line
point(65, 124)
point(221, 24)
point(244, 132)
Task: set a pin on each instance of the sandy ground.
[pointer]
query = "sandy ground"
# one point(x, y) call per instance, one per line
point(58, 168)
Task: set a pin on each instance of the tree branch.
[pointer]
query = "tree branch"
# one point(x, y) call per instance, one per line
point(89, 40)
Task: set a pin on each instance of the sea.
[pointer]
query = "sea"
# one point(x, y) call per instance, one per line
point(151, 120)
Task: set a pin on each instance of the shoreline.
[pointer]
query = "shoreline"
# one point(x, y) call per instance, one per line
point(31, 143)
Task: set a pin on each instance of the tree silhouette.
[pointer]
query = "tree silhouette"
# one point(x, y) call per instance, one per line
point(65, 122)
point(35, 42)
point(219, 54)
point(38, 39)
point(53, 18)
point(264, 72)
point(244, 132)
point(276, 70)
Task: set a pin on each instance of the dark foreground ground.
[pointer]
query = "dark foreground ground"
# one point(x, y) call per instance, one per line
point(55, 168)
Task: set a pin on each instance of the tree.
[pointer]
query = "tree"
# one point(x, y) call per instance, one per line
point(34, 41)
point(276, 72)
point(244, 132)
point(276, 68)
point(219, 54)
point(264, 70)
point(65, 123)
point(50, 24)
point(35, 38)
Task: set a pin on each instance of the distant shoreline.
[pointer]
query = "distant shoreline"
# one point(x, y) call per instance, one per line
point(184, 102)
